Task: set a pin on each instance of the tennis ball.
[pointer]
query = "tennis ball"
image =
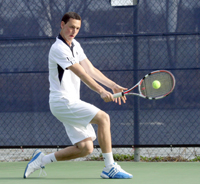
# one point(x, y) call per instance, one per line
point(156, 84)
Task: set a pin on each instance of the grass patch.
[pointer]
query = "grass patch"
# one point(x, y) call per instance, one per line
point(122, 157)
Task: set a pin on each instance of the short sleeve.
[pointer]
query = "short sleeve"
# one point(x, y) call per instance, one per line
point(82, 55)
point(63, 58)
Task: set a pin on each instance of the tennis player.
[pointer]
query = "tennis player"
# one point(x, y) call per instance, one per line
point(68, 66)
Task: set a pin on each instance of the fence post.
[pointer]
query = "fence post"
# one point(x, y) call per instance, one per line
point(135, 75)
point(137, 155)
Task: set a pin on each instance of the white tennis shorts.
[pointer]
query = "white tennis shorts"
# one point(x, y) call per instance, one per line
point(75, 118)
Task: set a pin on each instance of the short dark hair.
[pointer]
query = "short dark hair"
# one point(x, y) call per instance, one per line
point(69, 15)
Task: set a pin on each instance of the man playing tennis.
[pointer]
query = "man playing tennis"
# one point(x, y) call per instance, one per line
point(68, 65)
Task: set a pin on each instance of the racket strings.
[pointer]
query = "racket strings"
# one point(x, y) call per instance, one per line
point(166, 81)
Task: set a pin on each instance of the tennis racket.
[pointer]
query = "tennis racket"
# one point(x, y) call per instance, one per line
point(146, 90)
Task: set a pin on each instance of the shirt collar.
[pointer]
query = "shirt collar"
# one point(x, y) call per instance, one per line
point(61, 38)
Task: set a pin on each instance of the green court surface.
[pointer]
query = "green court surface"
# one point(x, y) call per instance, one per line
point(86, 172)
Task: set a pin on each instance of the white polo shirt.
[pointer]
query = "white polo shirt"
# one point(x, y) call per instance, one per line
point(63, 82)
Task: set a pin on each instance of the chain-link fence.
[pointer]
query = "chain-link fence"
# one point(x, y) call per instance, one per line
point(124, 42)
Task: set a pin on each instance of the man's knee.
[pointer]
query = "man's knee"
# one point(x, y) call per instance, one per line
point(85, 147)
point(105, 117)
point(101, 118)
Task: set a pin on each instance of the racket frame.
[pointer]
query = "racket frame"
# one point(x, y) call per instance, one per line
point(128, 92)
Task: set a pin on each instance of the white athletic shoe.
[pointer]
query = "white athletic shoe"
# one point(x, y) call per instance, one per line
point(35, 163)
point(115, 172)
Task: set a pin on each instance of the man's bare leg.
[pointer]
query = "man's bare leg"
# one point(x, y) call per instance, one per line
point(80, 149)
point(104, 135)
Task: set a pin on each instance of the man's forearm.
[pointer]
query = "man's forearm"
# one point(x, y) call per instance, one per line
point(100, 77)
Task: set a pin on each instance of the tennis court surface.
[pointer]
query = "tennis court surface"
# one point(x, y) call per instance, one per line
point(89, 172)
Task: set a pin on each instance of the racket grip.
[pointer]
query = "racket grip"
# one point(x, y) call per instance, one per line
point(116, 95)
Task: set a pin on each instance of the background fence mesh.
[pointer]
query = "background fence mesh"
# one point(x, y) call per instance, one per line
point(125, 43)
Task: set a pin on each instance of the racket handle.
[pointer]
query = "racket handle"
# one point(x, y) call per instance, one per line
point(116, 95)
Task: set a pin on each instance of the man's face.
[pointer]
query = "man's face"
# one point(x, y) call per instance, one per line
point(70, 29)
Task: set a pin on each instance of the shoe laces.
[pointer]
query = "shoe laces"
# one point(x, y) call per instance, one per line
point(42, 172)
point(117, 167)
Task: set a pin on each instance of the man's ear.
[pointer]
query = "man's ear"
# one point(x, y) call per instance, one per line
point(62, 24)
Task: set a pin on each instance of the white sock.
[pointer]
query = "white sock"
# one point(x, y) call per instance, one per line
point(108, 158)
point(48, 159)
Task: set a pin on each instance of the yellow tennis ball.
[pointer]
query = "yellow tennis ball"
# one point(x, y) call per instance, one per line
point(156, 84)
